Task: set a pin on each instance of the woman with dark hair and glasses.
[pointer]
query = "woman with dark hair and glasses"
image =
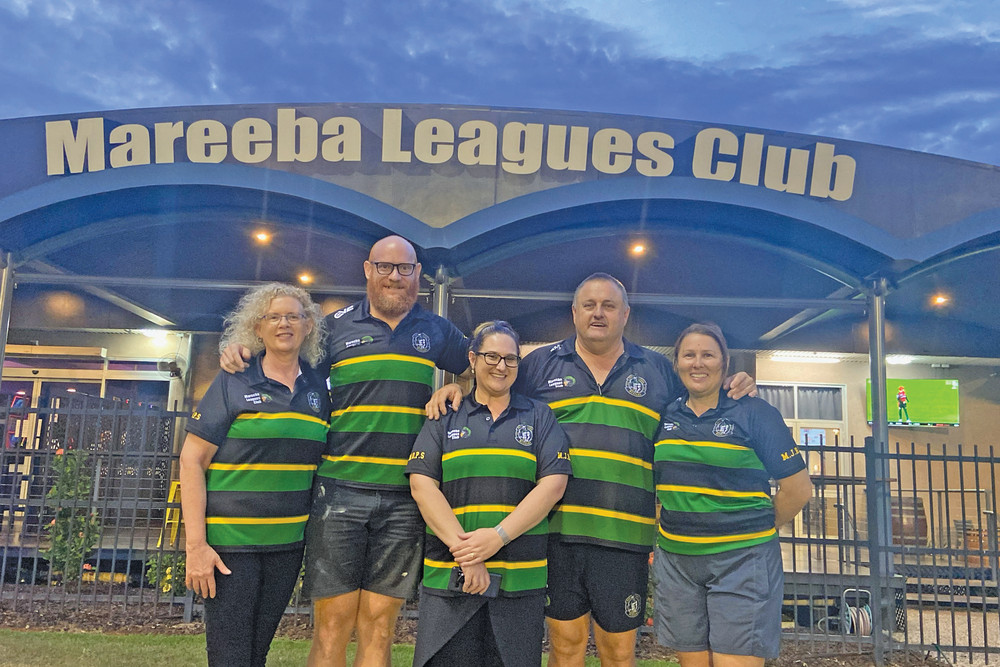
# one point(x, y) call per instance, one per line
point(485, 478)
point(247, 468)
point(719, 579)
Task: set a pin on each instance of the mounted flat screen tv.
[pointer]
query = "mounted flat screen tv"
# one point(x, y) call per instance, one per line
point(912, 402)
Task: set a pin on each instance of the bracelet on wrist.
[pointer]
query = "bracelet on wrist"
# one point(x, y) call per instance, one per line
point(504, 537)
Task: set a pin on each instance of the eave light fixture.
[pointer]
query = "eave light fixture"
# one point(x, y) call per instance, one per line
point(899, 359)
point(806, 357)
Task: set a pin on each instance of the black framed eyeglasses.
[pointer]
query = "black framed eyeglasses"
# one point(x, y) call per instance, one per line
point(492, 359)
point(385, 268)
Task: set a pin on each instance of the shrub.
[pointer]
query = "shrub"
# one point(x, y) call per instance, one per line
point(76, 528)
point(166, 571)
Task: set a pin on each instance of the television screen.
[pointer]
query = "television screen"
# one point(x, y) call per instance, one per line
point(918, 402)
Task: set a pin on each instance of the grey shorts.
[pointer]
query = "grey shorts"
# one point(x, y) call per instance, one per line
point(357, 538)
point(728, 602)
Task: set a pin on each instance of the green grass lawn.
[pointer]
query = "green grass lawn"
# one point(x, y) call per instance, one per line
point(64, 649)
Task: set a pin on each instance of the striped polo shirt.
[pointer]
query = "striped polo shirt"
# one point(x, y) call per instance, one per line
point(485, 468)
point(713, 474)
point(610, 500)
point(270, 440)
point(380, 381)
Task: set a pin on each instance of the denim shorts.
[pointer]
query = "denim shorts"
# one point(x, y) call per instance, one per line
point(360, 538)
point(728, 602)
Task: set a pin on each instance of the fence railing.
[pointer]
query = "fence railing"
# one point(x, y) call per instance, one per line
point(935, 590)
point(90, 517)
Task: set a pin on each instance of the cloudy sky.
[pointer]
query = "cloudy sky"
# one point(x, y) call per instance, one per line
point(917, 74)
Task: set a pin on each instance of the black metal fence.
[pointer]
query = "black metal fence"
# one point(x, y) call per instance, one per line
point(896, 551)
point(85, 504)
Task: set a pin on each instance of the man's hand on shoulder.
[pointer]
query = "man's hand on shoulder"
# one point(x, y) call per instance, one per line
point(448, 395)
point(740, 385)
point(234, 358)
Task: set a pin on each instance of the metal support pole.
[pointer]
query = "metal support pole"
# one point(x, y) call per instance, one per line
point(440, 296)
point(6, 301)
point(877, 476)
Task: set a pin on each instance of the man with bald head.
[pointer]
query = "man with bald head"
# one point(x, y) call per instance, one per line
point(363, 540)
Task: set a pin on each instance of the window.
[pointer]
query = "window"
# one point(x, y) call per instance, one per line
point(814, 402)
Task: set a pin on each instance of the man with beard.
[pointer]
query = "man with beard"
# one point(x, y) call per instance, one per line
point(364, 536)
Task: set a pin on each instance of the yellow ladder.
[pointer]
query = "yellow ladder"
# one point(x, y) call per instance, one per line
point(173, 519)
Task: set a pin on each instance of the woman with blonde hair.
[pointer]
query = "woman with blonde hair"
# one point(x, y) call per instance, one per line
point(247, 468)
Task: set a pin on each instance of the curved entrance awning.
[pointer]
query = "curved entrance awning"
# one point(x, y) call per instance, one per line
point(170, 244)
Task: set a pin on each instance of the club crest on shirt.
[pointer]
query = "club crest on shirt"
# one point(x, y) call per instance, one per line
point(523, 434)
point(723, 427)
point(558, 383)
point(635, 385)
point(632, 605)
point(421, 342)
point(457, 433)
point(313, 398)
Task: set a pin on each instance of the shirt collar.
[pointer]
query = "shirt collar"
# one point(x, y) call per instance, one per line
point(255, 373)
point(517, 402)
point(724, 403)
point(364, 312)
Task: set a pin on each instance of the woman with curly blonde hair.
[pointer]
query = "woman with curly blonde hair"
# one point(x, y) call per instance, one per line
point(247, 468)
point(241, 324)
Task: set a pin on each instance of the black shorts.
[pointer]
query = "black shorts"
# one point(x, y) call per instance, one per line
point(366, 539)
point(609, 583)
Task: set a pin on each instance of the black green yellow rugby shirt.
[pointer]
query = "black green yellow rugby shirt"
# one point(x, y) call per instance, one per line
point(485, 469)
point(270, 441)
point(610, 499)
point(713, 474)
point(380, 381)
